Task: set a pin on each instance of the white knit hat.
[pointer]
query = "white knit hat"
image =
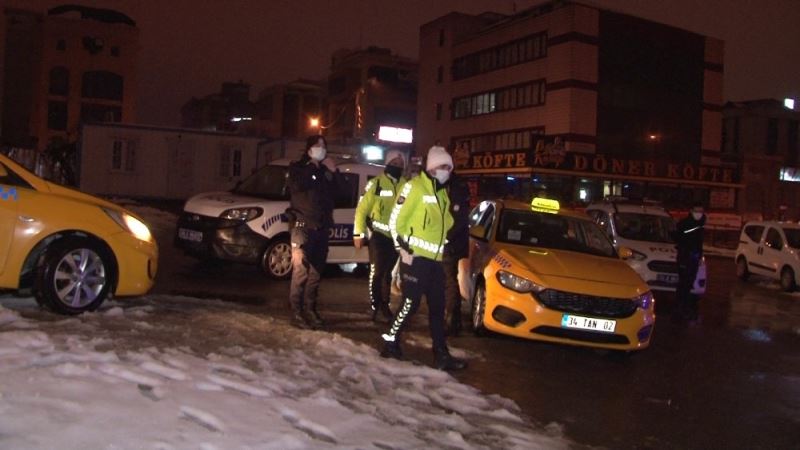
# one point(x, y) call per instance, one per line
point(437, 156)
point(392, 154)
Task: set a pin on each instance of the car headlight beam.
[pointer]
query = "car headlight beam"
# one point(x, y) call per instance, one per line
point(517, 283)
point(130, 224)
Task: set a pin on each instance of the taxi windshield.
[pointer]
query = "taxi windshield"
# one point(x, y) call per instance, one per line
point(792, 237)
point(268, 182)
point(644, 227)
point(555, 231)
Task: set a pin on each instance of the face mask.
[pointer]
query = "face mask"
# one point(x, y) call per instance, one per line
point(393, 171)
point(697, 215)
point(441, 175)
point(317, 153)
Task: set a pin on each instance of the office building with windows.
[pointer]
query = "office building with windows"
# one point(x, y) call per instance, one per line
point(577, 101)
point(70, 65)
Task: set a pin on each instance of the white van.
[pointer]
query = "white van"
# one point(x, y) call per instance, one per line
point(772, 250)
point(247, 224)
point(646, 228)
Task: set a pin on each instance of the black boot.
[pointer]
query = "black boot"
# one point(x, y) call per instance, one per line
point(391, 350)
point(445, 361)
point(315, 319)
point(299, 320)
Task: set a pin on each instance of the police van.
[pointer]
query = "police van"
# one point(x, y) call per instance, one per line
point(248, 224)
point(647, 229)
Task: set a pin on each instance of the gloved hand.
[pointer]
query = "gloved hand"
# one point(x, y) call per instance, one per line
point(406, 257)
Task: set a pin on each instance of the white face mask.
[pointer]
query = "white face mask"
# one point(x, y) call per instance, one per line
point(441, 175)
point(697, 215)
point(317, 153)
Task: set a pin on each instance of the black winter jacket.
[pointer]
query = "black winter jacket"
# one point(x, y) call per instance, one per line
point(312, 193)
point(458, 237)
point(689, 236)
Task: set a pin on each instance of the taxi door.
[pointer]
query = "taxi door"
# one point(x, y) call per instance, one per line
point(481, 220)
point(9, 201)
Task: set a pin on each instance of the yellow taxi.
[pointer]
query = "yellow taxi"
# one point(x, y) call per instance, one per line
point(545, 273)
point(69, 249)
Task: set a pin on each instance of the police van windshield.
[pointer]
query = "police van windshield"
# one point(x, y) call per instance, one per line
point(644, 227)
point(545, 230)
point(268, 182)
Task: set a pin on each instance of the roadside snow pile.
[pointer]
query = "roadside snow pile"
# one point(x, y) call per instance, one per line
point(155, 377)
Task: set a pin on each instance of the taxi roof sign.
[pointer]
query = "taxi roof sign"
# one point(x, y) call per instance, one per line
point(548, 205)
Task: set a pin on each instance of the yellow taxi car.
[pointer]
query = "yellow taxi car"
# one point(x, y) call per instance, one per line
point(544, 273)
point(70, 249)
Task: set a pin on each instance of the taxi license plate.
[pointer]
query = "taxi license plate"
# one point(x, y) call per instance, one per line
point(190, 235)
point(666, 278)
point(588, 323)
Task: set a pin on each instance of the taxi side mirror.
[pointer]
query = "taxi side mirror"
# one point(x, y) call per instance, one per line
point(478, 232)
point(625, 252)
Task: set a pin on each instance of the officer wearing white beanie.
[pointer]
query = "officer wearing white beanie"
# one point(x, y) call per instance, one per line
point(438, 156)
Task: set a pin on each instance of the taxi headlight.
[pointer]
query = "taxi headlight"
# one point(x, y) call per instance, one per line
point(130, 224)
point(517, 283)
point(644, 301)
point(243, 214)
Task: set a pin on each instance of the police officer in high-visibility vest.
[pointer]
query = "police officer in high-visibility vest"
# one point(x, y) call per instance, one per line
point(419, 223)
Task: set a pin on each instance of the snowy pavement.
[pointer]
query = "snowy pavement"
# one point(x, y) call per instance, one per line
point(166, 372)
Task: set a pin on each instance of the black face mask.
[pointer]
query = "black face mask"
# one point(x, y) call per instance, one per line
point(394, 171)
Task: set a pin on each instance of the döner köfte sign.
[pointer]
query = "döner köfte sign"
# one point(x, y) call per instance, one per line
point(594, 164)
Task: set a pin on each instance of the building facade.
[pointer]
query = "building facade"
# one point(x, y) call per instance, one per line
point(229, 110)
point(292, 110)
point(369, 88)
point(577, 101)
point(762, 137)
point(72, 64)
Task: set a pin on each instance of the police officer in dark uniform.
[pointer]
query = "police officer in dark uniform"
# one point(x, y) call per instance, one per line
point(313, 182)
point(689, 243)
point(456, 249)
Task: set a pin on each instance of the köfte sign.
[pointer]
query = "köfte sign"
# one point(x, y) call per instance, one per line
point(597, 164)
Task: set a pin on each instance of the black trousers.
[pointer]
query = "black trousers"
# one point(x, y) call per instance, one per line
point(422, 277)
point(382, 258)
point(452, 292)
point(686, 307)
point(309, 254)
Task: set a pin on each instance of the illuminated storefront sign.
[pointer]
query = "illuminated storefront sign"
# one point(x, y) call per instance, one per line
point(790, 174)
point(394, 134)
point(596, 164)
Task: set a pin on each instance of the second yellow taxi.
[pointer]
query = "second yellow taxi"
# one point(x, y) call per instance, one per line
point(541, 272)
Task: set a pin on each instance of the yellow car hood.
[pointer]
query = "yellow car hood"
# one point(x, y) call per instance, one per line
point(61, 191)
point(549, 263)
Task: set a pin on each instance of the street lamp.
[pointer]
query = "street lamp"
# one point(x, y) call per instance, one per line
point(313, 122)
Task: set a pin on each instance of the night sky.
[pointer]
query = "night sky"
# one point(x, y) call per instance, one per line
point(188, 47)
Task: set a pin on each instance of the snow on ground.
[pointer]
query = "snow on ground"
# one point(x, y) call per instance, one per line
point(141, 375)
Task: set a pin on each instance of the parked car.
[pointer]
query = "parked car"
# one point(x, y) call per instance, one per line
point(69, 249)
point(647, 229)
point(771, 250)
point(541, 272)
point(247, 224)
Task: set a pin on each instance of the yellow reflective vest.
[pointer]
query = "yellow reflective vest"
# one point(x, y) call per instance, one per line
point(375, 206)
point(421, 217)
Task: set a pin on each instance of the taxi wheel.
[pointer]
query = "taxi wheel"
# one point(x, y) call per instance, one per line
point(787, 279)
point(74, 277)
point(276, 262)
point(741, 269)
point(478, 309)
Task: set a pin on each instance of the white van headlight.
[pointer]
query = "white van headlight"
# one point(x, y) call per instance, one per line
point(638, 256)
point(243, 214)
point(130, 224)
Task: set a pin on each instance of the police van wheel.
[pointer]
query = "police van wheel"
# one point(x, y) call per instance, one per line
point(478, 310)
point(741, 269)
point(276, 262)
point(787, 279)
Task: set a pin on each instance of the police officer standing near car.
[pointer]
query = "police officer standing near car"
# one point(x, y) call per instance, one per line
point(313, 182)
point(419, 223)
point(456, 249)
point(689, 244)
point(373, 212)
